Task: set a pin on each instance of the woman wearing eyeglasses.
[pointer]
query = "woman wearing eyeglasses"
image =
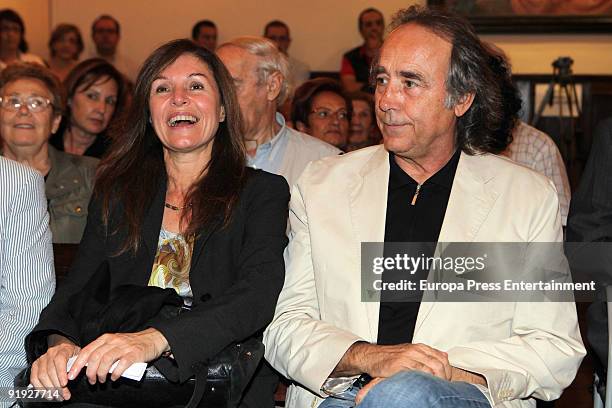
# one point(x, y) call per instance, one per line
point(321, 109)
point(31, 104)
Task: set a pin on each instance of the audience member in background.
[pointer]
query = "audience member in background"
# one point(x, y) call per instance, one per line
point(13, 46)
point(278, 32)
point(261, 73)
point(106, 33)
point(96, 94)
point(26, 263)
point(321, 109)
point(364, 131)
point(590, 221)
point(536, 150)
point(355, 68)
point(31, 110)
point(590, 218)
point(204, 33)
point(175, 207)
point(65, 47)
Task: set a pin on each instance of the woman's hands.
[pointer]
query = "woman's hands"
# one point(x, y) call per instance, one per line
point(49, 370)
point(127, 348)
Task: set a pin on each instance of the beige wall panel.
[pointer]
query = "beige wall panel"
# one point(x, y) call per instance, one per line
point(592, 54)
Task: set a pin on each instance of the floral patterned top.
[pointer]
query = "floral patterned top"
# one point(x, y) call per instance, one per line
point(172, 263)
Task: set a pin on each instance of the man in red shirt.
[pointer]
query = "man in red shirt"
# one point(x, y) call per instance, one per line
point(355, 68)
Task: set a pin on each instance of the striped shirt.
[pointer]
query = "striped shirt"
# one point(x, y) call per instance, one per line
point(27, 278)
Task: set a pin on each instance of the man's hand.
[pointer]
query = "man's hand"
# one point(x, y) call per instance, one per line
point(127, 348)
point(49, 370)
point(362, 392)
point(385, 361)
point(467, 376)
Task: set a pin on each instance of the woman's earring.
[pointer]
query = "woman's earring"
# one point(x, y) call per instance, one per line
point(222, 115)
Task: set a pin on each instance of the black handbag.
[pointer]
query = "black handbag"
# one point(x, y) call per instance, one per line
point(219, 382)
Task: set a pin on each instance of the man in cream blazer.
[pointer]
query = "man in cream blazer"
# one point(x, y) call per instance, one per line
point(323, 335)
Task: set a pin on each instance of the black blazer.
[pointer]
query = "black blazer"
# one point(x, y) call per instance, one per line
point(590, 214)
point(236, 273)
point(590, 220)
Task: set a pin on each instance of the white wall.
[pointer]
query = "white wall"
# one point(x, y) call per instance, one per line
point(321, 29)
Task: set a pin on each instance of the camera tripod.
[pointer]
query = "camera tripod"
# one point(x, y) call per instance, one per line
point(562, 76)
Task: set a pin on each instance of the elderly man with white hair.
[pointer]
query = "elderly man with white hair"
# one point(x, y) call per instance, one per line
point(261, 75)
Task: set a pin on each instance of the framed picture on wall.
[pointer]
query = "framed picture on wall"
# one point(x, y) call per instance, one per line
point(533, 16)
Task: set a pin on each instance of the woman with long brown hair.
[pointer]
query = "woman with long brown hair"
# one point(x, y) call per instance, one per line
point(96, 96)
point(174, 207)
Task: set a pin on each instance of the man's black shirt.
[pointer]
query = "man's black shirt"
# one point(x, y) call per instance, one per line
point(405, 222)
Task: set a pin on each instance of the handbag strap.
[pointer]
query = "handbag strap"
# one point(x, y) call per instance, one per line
point(201, 377)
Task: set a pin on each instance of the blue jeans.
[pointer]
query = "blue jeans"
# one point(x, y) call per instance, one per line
point(413, 389)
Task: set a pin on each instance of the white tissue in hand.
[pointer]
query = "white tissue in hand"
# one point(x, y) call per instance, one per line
point(134, 372)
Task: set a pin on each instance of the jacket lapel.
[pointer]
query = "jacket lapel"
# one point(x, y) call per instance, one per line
point(368, 207)
point(202, 238)
point(62, 176)
point(472, 198)
point(152, 223)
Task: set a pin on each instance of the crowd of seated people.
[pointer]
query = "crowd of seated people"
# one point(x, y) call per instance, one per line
point(261, 72)
point(32, 108)
point(226, 175)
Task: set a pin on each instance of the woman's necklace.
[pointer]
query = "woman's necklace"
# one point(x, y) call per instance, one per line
point(175, 208)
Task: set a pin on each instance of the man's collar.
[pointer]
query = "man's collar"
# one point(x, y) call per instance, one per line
point(269, 145)
point(443, 177)
point(280, 119)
